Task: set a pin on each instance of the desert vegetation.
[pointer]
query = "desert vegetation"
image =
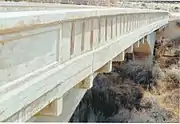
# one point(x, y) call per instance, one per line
point(171, 7)
point(133, 92)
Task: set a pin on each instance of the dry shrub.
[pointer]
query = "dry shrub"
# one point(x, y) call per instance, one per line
point(167, 55)
point(172, 81)
point(177, 53)
point(137, 72)
point(173, 98)
point(157, 72)
point(107, 96)
point(168, 88)
point(128, 94)
point(171, 101)
point(169, 83)
point(170, 61)
point(114, 96)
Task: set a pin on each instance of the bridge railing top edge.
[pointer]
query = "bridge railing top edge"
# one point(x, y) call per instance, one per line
point(116, 11)
point(85, 12)
point(11, 19)
point(48, 5)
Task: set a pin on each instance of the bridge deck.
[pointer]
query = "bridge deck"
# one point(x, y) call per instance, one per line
point(26, 6)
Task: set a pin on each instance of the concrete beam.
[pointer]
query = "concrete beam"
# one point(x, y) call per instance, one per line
point(160, 29)
point(136, 44)
point(119, 57)
point(53, 109)
point(87, 83)
point(142, 41)
point(143, 48)
point(106, 68)
point(129, 49)
point(70, 101)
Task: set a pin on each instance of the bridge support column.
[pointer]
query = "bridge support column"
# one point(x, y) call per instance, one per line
point(54, 108)
point(144, 53)
point(86, 83)
point(142, 41)
point(129, 55)
point(129, 49)
point(151, 41)
point(71, 100)
point(106, 68)
point(119, 57)
point(136, 44)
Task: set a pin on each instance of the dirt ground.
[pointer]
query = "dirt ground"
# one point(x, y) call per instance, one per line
point(133, 92)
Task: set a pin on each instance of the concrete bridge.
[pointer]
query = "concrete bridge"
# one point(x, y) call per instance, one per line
point(48, 58)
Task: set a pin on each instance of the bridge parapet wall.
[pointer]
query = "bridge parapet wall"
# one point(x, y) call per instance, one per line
point(49, 52)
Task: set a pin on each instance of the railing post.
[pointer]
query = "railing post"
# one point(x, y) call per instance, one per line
point(65, 42)
point(114, 27)
point(121, 24)
point(95, 33)
point(118, 26)
point(125, 24)
point(78, 37)
point(87, 35)
point(109, 28)
point(102, 30)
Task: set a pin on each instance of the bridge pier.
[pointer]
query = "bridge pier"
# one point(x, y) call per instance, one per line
point(87, 83)
point(142, 40)
point(106, 68)
point(144, 48)
point(70, 101)
point(136, 45)
point(54, 108)
point(129, 49)
point(61, 110)
point(119, 57)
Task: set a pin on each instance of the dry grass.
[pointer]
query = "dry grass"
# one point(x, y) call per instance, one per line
point(167, 89)
point(171, 101)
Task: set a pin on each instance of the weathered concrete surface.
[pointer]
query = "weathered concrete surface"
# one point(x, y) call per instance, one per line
point(46, 53)
point(71, 101)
